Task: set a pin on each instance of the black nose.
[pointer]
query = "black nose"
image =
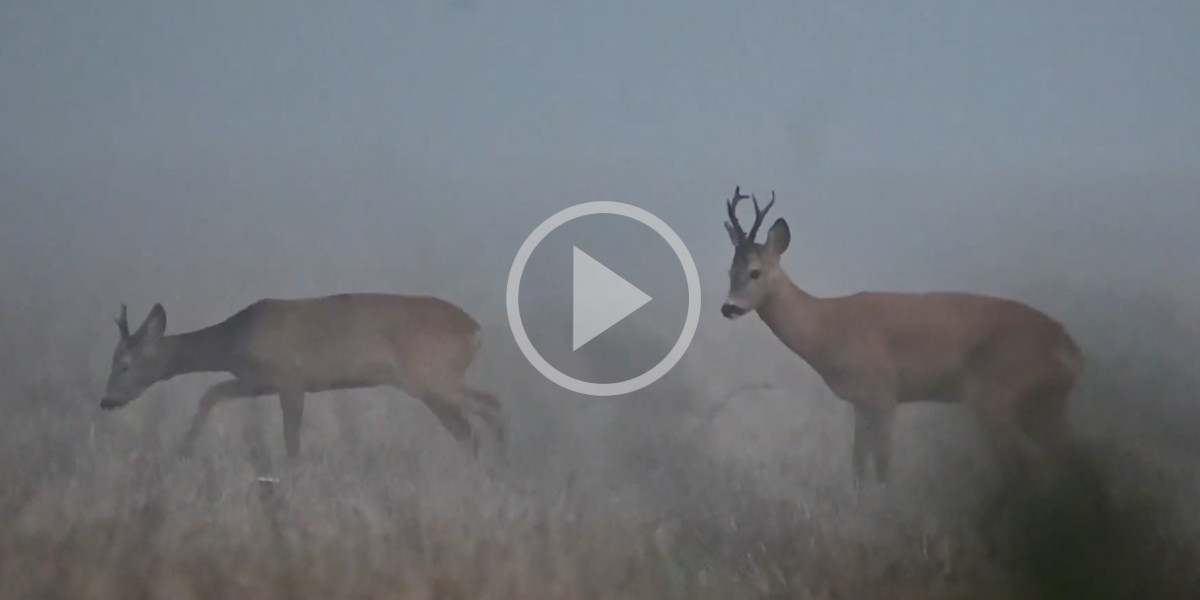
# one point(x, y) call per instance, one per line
point(109, 404)
point(730, 311)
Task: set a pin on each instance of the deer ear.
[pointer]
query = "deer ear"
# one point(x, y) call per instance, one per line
point(733, 236)
point(155, 324)
point(778, 236)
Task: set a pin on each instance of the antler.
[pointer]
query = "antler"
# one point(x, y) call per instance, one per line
point(759, 214)
point(123, 324)
point(731, 207)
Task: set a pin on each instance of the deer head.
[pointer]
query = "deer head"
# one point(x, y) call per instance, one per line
point(755, 271)
point(138, 361)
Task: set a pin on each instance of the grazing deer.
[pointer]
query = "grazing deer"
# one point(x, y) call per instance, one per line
point(1013, 365)
point(419, 344)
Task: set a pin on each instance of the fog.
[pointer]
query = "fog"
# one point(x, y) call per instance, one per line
point(205, 156)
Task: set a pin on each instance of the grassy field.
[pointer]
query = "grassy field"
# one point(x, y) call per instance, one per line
point(685, 491)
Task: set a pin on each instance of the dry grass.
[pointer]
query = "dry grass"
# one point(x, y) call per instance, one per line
point(659, 497)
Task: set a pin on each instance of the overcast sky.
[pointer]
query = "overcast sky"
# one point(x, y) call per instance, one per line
point(135, 135)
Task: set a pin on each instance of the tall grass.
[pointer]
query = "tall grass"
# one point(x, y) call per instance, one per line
point(686, 490)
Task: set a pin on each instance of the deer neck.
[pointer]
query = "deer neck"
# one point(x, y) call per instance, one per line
point(795, 317)
point(202, 351)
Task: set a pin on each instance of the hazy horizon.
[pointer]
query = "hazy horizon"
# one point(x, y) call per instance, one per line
point(910, 145)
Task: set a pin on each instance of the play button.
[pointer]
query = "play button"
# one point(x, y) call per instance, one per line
point(599, 298)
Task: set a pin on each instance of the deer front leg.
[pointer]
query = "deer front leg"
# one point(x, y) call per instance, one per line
point(292, 404)
point(882, 421)
point(862, 446)
point(217, 394)
point(872, 439)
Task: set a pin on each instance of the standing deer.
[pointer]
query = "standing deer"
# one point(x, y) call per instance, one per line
point(419, 344)
point(1013, 365)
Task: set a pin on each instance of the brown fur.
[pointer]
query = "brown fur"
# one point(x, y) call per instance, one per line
point(1013, 365)
point(420, 344)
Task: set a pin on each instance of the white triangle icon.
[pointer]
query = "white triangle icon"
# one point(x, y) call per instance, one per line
point(600, 299)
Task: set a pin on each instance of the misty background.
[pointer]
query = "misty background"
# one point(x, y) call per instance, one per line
point(916, 145)
point(206, 155)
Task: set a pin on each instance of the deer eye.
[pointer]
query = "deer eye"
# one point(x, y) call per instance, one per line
point(754, 273)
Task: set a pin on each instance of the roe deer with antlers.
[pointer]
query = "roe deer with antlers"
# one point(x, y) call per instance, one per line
point(419, 344)
point(1013, 365)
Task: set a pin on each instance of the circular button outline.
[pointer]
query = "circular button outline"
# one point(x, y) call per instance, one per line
point(603, 207)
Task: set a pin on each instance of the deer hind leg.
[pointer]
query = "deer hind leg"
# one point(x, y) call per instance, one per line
point(451, 416)
point(439, 385)
point(1002, 432)
point(1044, 420)
point(222, 392)
point(291, 402)
point(487, 406)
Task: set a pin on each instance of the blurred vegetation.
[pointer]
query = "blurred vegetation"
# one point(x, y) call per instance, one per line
point(681, 492)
